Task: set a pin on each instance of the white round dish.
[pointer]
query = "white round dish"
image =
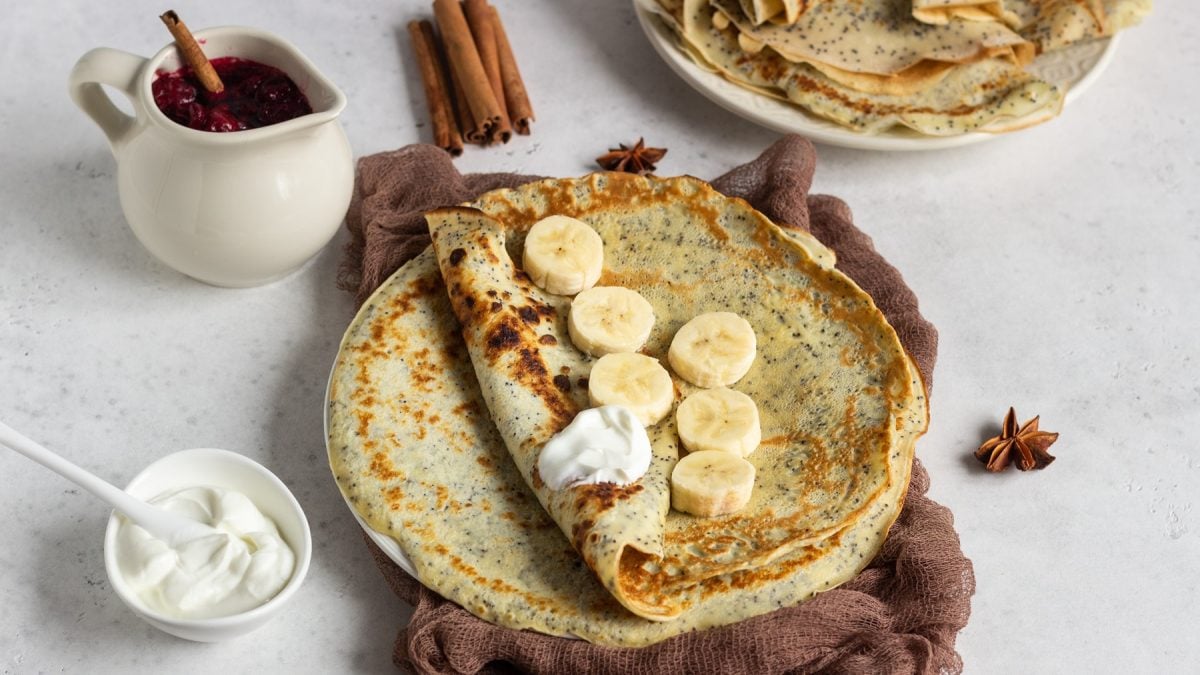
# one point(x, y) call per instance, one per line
point(223, 469)
point(1077, 67)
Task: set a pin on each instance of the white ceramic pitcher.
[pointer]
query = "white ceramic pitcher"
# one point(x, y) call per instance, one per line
point(232, 209)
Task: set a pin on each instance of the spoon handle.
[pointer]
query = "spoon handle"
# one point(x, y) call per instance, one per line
point(160, 523)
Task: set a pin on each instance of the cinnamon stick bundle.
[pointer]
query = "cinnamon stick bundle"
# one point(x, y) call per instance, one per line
point(520, 111)
point(472, 86)
point(467, 66)
point(446, 131)
point(191, 52)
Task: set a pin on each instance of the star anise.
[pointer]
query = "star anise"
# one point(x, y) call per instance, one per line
point(639, 159)
point(1027, 443)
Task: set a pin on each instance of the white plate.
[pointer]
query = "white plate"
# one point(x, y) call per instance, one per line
point(385, 542)
point(1076, 67)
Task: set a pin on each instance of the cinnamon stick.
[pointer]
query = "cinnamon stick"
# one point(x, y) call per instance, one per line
point(472, 132)
point(520, 111)
point(480, 18)
point(466, 65)
point(446, 134)
point(192, 54)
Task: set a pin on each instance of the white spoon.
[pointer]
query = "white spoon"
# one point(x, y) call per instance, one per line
point(170, 527)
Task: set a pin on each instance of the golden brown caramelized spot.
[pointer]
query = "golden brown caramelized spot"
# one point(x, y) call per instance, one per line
point(502, 337)
point(364, 421)
point(530, 364)
point(579, 533)
point(529, 370)
point(563, 383)
point(528, 315)
point(383, 469)
point(548, 339)
point(603, 495)
point(457, 255)
point(394, 497)
point(403, 303)
point(422, 379)
point(469, 409)
point(497, 306)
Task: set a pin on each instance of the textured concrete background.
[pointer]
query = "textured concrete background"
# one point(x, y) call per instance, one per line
point(1059, 263)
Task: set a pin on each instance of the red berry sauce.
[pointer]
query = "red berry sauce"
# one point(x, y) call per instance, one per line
point(255, 95)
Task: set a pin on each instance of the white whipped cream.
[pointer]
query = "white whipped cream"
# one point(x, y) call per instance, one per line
point(241, 566)
point(601, 445)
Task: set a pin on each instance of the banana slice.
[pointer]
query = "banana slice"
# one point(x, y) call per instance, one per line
point(719, 419)
point(749, 44)
point(711, 483)
point(609, 319)
point(563, 255)
point(635, 381)
point(713, 350)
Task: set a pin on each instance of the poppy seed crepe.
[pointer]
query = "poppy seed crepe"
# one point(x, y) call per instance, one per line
point(416, 452)
point(688, 250)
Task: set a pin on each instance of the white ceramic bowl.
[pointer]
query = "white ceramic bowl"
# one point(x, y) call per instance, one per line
point(223, 469)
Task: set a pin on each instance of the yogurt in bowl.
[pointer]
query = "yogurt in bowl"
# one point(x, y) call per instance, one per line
point(226, 583)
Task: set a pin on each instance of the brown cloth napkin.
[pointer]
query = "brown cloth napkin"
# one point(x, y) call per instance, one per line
point(901, 614)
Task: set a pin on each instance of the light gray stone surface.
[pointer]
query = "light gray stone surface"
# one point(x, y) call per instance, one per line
point(1061, 265)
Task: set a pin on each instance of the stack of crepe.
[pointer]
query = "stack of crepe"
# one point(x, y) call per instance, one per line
point(458, 369)
point(938, 67)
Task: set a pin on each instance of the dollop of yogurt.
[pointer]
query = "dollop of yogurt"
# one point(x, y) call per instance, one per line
point(239, 567)
point(601, 445)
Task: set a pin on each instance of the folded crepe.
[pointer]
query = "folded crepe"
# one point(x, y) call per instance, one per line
point(943, 11)
point(1055, 24)
point(988, 95)
point(877, 36)
point(839, 402)
point(908, 81)
point(778, 11)
point(937, 67)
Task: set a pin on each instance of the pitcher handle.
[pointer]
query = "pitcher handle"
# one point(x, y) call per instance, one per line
point(117, 69)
